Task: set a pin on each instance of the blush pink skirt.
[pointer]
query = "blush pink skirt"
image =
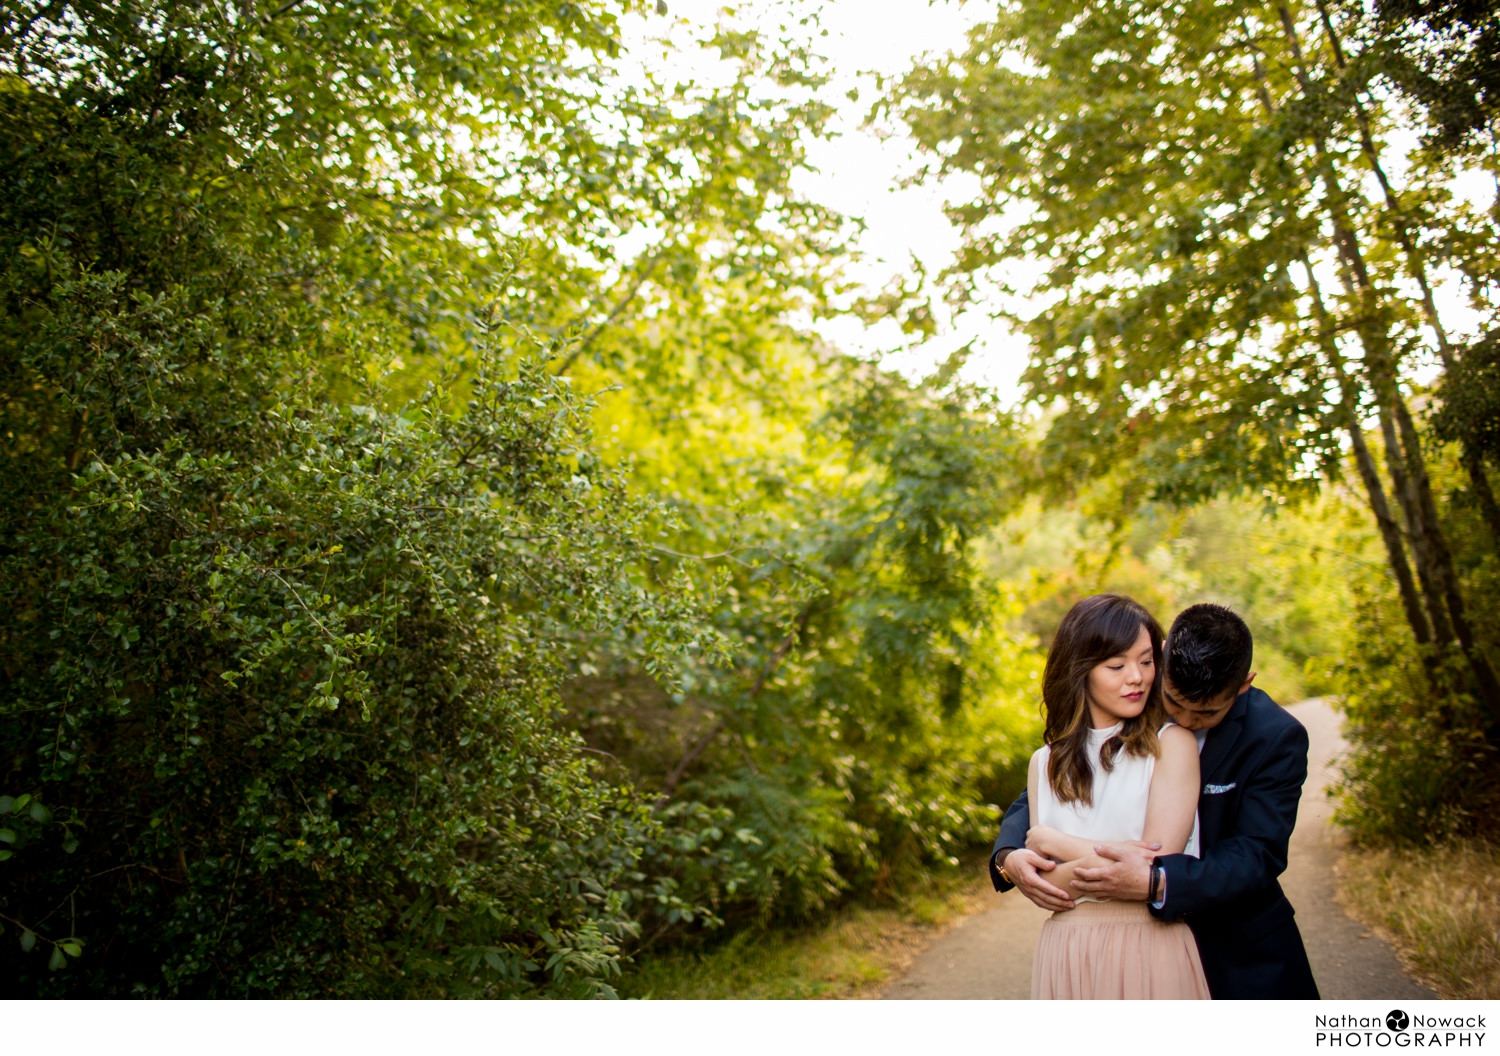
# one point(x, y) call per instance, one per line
point(1116, 951)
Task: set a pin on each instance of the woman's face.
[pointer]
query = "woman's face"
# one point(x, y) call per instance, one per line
point(1117, 688)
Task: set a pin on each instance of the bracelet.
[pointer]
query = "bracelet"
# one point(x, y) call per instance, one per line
point(1003, 874)
point(1158, 872)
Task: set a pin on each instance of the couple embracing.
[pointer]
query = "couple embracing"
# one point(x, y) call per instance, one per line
point(1157, 815)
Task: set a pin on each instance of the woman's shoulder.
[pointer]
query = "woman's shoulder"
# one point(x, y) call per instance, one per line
point(1174, 738)
point(1179, 749)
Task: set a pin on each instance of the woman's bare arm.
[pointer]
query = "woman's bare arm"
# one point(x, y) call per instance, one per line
point(1062, 876)
point(1058, 845)
point(1070, 852)
point(1172, 806)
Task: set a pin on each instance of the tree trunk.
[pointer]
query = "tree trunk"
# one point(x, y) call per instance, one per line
point(1447, 576)
point(1416, 528)
point(1434, 561)
point(1484, 495)
point(1429, 621)
point(1390, 532)
point(1416, 267)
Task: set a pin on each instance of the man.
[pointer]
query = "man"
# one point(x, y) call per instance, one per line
point(1252, 762)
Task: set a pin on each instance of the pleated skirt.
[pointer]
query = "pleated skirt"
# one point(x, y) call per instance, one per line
point(1116, 951)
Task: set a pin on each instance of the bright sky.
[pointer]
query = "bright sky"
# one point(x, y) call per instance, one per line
point(858, 173)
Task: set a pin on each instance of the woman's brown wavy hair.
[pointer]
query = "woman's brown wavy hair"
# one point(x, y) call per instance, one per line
point(1093, 631)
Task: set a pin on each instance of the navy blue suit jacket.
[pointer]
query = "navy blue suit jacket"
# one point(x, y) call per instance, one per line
point(1252, 767)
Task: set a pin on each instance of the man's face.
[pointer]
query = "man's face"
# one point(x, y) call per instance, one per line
point(1200, 714)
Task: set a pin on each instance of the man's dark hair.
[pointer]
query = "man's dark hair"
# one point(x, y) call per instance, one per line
point(1208, 650)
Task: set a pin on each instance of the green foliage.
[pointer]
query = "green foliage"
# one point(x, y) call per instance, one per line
point(310, 557)
point(1469, 407)
point(1445, 52)
point(23, 820)
point(1173, 160)
point(1421, 767)
point(280, 646)
point(1420, 771)
point(436, 559)
point(1286, 572)
point(1238, 278)
point(875, 702)
point(292, 673)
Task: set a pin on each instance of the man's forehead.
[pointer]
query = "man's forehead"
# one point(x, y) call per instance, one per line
point(1212, 704)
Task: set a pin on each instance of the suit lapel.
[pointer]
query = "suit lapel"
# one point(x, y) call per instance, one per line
point(1220, 740)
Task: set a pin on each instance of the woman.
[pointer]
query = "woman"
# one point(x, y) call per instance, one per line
point(1112, 770)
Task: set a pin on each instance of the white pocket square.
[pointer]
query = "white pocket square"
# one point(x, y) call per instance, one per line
point(1217, 790)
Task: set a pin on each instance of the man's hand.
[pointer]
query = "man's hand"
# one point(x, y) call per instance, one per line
point(1125, 877)
point(1025, 868)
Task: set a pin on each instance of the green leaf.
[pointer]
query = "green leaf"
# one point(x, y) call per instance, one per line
point(28, 940)
point(58, 959)
point(7, 836)
point(40, 814)
point(7, 804)
point(5, 854)
point(72, 947)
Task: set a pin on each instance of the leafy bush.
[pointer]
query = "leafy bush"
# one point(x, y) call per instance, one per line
point(299, 667)
point(1419, 771)
point(873, 714)
point(1421, 767)
point(285, 670)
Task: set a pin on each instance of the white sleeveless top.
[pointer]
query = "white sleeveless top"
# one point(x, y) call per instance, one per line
point(1118, 811)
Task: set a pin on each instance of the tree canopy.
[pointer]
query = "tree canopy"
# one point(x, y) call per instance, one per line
point(382, 611)
point(439, 557)
point(1236, 284)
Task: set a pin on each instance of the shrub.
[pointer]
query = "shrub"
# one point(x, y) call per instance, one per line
point(284, 671)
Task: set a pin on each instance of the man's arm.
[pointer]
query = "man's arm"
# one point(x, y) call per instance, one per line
point(1025, 866)
point(1256, 854)
point(1013, 828)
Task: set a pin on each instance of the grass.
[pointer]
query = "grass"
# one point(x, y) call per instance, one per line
point(851, 956)
point(1439, 909)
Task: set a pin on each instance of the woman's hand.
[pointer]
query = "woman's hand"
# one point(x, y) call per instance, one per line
point(1025, 868)
point(1066, 873)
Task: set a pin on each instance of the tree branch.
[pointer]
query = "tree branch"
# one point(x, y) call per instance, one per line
point(640, 279)
point(702, 743)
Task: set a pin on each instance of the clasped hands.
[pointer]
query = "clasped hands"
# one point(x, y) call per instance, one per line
point(1119, 871)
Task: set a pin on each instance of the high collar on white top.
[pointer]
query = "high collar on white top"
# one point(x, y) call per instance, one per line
point(1100, 734)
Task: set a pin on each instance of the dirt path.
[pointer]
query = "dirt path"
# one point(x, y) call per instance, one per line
point(989, 954)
